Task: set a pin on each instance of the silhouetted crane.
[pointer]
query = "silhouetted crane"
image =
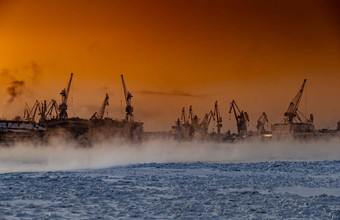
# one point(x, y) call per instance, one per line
point(261, 122)
point(29, 113)
point(218, 118)
point(49, 111)
point(206, 121)
point(293, 114)
point(128, 96)
point(100, 115)
point(64, 97)
point(183, 116)
point(241, 118)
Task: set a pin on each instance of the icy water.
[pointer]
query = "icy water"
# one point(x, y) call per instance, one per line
point(266, 190)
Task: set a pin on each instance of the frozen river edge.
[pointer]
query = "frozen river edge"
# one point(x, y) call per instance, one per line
point(263, 190)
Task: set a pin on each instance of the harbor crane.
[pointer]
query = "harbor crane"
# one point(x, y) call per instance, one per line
point(128, 96)
point(101, 113)
point(30, 113)
point(241, 118)
point(206, 121)
point(190, 114)
point(293, 114)
point(183, 117)
point(193, 119)
point(294, 123)
point(261, 122)
point(218, 118)
point(49, 111)
point(64, 97)
point(195, 125)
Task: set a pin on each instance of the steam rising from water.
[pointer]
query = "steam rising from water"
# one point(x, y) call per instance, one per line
point(15, 89)
point(62, 155)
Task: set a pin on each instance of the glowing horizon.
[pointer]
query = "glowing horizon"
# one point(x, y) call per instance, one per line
point(173, 54)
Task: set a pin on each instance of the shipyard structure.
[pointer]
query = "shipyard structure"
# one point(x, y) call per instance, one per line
point(294, 125)
point(53, 119)
point(48, 118)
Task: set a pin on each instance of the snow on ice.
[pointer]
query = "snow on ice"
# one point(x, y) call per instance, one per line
point(165, 181)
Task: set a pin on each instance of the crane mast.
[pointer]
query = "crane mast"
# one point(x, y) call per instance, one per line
point(64, 97)
point(102, 109)
point(183, 117)
point(261, 122)
point(218, 118)
point(128, 96)
point(190, 114)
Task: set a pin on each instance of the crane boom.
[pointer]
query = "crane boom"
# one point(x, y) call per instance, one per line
point(68, 88)
point(124, 87)
point(206, 120)
point(190, 114)
point(128, 96)
point(102, 109)
point(241, 118)
point(64, 97)
point(218, 118)
point(233, 106)
point(211, 116)
point(29, 113)
point(292, 111)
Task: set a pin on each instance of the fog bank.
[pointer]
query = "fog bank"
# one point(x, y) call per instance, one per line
point(63, 155)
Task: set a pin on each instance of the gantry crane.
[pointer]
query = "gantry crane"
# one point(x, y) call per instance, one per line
point(293, 114)
point(241, 117)
point(218, 118)
point(128, 96)
point(261, 122)
point(64, 97)
point(100, 114)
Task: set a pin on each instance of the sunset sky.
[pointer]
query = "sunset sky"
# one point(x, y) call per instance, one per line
point(173, 53)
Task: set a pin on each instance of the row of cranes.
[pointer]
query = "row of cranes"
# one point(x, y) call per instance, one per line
point(128, 109)
point(191, 126)
point(54, 111)
point(294, 122)
point(54, 116)
point(188, 127)
point(51, 110)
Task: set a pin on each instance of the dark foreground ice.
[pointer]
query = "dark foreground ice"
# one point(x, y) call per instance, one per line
point(267, 190)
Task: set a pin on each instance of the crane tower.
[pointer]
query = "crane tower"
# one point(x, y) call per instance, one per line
point(64, 97)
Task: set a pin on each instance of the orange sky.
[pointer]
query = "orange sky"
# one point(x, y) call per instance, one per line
point(173, 54)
